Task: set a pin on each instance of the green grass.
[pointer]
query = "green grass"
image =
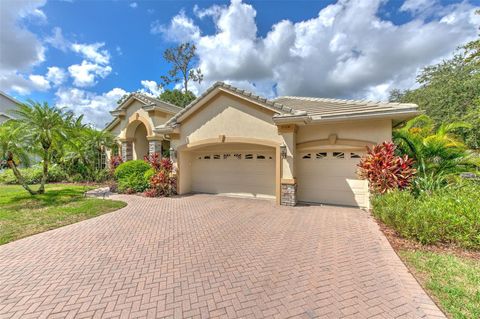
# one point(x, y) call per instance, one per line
point(453, 281)
point(23, 215)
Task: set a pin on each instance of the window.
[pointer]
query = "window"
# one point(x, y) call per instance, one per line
point(206, 157)
point(199, 158)
point(248, 156)
point(226, 156)
point(338, 154)
point(355, 155)
point(321, 155)
point(260, 156)
point(238, 156)
point(216, 156)
point(307, 156)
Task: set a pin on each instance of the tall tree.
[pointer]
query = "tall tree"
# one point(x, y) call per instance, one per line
point(44, 129)
point(177, 97)
point(181, 58)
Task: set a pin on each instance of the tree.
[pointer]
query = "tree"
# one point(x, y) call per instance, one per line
point(450, 92)
point(43, 129)
point(177, 97)
point(181, 58)
point(437, 151)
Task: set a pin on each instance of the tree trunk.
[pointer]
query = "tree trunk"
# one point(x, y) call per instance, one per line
point(43, 181)
point(18, 175)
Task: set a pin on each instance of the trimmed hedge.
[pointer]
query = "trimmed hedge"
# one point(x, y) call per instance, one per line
point(451, 215)
point(131, 176)
point(33, 175)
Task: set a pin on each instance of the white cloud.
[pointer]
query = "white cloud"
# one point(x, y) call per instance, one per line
point(181, 28)
point(56, 75)
point(92, 52)
point(347, 50)
point(133, 5)
point(57, 40)
point(151, 87)
point(417, 6)
point(94, 106)
point(20, 49)
point(39, 82)
point(86, 73)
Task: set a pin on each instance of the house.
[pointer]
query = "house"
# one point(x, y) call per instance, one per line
point(230, 141)
point(7, 103)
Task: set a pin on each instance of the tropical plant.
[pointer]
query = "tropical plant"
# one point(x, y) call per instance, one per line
point(384, 170)
point(438, 152)
point(43, 129)
point(177, 97)
point(12, 140)
point(130, 176)
point(162, 182)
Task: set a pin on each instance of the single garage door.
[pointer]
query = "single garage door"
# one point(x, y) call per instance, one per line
point(330, 178)
point(237, 173)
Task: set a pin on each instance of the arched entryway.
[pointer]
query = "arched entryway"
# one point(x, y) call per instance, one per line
point(140, 142)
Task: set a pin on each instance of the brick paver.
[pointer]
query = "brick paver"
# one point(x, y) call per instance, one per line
point(205, 256)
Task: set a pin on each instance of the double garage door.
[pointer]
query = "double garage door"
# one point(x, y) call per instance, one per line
point(322, 177)
point(234, 172)
point(331, 178)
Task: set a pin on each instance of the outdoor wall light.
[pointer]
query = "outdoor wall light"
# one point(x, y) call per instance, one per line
point(283, 151)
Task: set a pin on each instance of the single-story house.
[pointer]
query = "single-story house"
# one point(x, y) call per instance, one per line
point(230, 141)
point(7, 103)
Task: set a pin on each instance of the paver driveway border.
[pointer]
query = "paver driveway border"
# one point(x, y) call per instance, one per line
point(205, 256)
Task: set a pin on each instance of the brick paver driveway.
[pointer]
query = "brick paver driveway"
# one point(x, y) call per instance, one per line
point(207, 256)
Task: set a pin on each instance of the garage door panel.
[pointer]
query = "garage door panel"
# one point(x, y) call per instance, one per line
point(249, 174)
point(330, 180)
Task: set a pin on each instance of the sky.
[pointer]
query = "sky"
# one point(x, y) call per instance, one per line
point(85, 55)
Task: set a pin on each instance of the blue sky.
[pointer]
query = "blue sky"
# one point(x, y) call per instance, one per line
point(84, 55)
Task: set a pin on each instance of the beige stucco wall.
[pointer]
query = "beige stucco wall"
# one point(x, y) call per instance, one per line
point(370, 130)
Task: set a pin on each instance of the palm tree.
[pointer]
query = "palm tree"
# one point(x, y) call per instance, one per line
point(44, 128)
point(437, 151)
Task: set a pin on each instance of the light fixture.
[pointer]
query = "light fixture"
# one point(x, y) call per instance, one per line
point(283, 151)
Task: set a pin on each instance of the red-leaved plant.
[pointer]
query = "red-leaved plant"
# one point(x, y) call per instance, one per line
point(115, 161)
point(163, 182)
point(384, 170)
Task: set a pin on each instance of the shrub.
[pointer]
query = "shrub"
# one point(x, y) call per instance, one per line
point(384, 170)
point(163, 181)
point(446, 216)
point(33, 175)
point(126, 169)
point(115, 161)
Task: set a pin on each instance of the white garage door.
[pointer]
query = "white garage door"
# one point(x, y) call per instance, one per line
point(238, 173)
point(330, 178)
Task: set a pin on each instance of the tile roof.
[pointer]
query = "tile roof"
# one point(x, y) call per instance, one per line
point(279, 107)
point(324, 108)
point(149, 101)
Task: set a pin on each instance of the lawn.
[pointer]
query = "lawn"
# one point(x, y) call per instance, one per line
point(454, 282)
point(23, 215)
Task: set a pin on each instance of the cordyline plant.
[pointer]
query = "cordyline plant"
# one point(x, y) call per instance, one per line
point(384, 170)
point(162, 183)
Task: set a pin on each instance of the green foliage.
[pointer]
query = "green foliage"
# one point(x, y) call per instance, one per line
point(177, 97)
point(33, 175)
point(446, 216)
point(450, 92)
point(131, 176)
point(137, 167)
point(437, 151)
point(149, 174)
point(132, 184)
point(12, 140)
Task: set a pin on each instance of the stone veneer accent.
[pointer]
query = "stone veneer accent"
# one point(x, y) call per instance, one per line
point(288, 195)
point(155, 147)
point(127, 151)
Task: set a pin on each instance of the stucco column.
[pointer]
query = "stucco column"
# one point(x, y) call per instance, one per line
point(127, 150)
point(288, 182)
point(154, 145)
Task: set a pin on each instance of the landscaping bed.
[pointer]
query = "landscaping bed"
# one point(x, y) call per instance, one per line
point(22, 215)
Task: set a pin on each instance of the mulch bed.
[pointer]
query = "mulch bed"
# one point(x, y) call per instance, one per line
point(400, 243)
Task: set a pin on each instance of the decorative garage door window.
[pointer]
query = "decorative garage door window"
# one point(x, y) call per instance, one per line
point(235, 156)
point(330, 155)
